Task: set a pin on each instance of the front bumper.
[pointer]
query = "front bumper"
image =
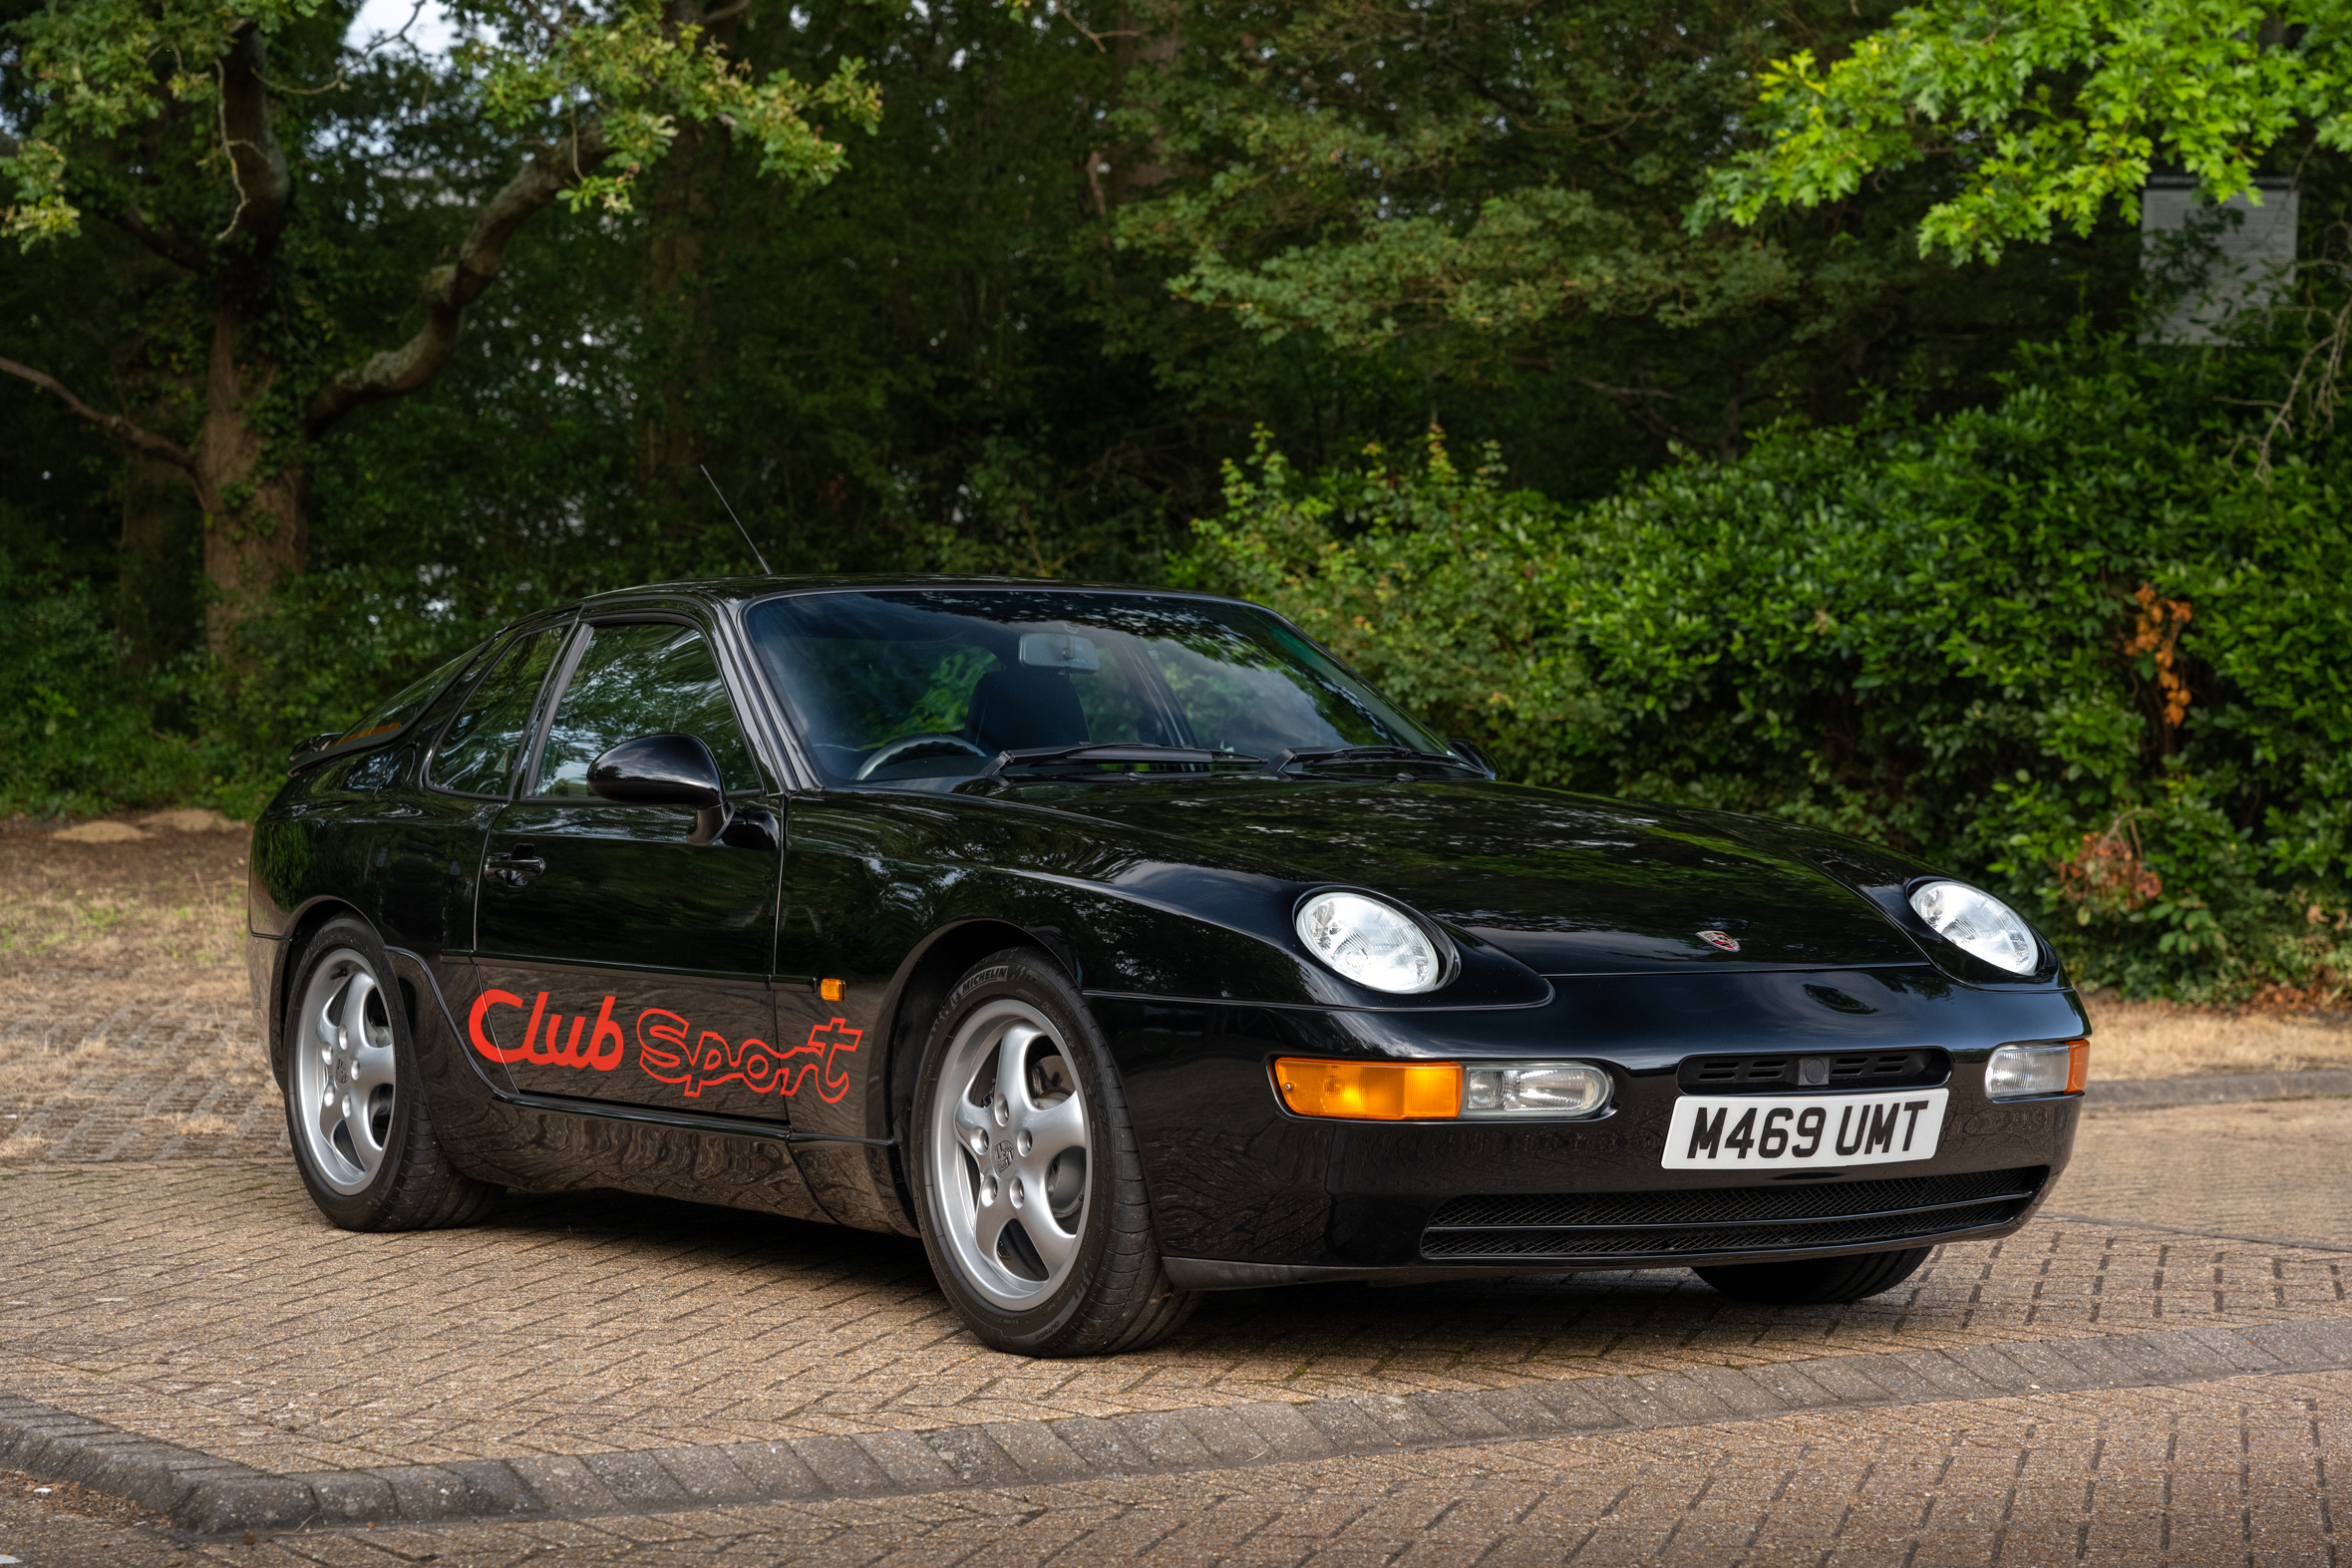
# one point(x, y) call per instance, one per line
point(1244, 1193)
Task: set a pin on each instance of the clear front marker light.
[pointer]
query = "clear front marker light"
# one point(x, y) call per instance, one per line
point(1371, 943)
point(1977, 924)
point(1536, 1088)
point(2035, 1072)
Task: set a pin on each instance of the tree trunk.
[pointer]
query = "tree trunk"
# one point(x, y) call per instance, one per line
point(1148, 40)
point(256, 518)
point(248, 552)
point(674, 306)
point(251, 467)
point(155, 602)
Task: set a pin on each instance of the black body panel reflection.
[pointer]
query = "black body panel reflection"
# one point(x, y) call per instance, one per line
point(629, 964)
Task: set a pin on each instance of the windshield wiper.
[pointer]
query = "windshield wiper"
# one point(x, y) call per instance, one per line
point(1297, 756)
point(1111, 752)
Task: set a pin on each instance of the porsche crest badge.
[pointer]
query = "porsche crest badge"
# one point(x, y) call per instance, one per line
point(1722, 939)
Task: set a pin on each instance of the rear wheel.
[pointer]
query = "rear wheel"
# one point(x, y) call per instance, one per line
point(1027, 1180)
point(1816, 1282)
point(355, 1108)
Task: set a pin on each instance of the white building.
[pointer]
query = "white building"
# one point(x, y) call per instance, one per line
point(2215, 264)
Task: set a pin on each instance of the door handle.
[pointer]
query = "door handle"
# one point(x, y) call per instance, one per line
point(516, 866)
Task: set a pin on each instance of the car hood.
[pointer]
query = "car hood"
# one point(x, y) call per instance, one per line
point(1566, 885)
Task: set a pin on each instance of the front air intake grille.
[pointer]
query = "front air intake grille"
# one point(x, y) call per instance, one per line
point(1710, 1240)
point(1829, 1070)
point(1714, 1220)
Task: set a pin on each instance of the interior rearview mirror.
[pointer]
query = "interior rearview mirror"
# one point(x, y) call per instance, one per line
point(1060, 651)
point(665, 769)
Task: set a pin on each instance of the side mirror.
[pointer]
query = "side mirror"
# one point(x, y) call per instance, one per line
point(665, 769)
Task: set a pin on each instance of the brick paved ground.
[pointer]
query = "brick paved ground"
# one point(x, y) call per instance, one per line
point(151, 1281)
point(2237, 1471)
point(2267, 1170)
point(136, 1078)
point(205, 1304)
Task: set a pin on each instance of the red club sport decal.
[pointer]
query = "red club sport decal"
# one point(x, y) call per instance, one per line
point(602, 1050)
point(664, 1050)
point(752, 1064)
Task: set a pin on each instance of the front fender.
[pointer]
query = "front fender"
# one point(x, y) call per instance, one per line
point(896, 898)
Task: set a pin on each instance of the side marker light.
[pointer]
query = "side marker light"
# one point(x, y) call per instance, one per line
point(1370, 1090)
point(831, 990)
point(2037, 1072)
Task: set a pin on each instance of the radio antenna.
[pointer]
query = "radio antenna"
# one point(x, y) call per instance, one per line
point(765, 569)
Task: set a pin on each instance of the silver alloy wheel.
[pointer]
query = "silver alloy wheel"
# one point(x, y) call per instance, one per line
point(343, 1072)
point(1009, 1153)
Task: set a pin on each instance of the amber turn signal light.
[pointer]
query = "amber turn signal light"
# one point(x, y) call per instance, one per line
point(1370, 1090)
point(831, 990)
point(2078, 1065)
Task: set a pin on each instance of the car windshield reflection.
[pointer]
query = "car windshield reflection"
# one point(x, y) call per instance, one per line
point(926, 687)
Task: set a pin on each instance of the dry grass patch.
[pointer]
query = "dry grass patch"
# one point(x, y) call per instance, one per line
point(2163, 1040)
point(122, 996)
point(85, 926)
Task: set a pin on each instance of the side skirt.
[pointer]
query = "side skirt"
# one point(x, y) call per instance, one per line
point(552, 1144)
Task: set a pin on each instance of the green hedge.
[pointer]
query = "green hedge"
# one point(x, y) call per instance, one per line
point(1970, 639)
point(81, 733)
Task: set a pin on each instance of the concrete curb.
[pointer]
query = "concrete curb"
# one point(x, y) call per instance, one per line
point(207, 1496)
point(2162, 1094)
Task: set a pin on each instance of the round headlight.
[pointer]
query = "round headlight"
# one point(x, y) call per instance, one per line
point(1977, 924)
point(1371, 943)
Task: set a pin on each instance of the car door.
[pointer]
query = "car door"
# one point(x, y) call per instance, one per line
point(466, 776)
point(619, 958)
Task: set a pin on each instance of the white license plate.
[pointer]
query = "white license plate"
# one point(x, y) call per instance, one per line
point(1790, 1133)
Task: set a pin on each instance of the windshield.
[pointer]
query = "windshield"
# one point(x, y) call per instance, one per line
point(899, 685)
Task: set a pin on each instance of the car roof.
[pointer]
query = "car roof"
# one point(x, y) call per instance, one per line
point(717, 589)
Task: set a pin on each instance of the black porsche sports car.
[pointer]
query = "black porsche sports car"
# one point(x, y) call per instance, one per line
point(1122, 945)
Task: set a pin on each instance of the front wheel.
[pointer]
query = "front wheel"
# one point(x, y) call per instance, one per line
point(1027, 1181)
point(355, 1104)
point(1816, 1282)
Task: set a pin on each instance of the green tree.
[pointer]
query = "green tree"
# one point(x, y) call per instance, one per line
point(1487, 190)
point(2050, 112)
point(198, 131)
point(2061, 644)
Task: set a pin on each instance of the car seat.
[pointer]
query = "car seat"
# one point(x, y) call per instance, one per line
point(1020, 708)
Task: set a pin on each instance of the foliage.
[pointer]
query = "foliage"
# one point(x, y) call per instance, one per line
point(72, 734)
point(2060, 645)
point(2054, 110)
point(82, 733)
point(1484, 186)
point(99, 74)
point(1428, 580)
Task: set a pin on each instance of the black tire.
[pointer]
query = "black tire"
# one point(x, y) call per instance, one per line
point(411, 1185)
point(1816, 1282)
point(1112, 1293)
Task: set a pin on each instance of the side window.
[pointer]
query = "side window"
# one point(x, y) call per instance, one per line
point(649, 678)
point(412, 700)
point(484, 741)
